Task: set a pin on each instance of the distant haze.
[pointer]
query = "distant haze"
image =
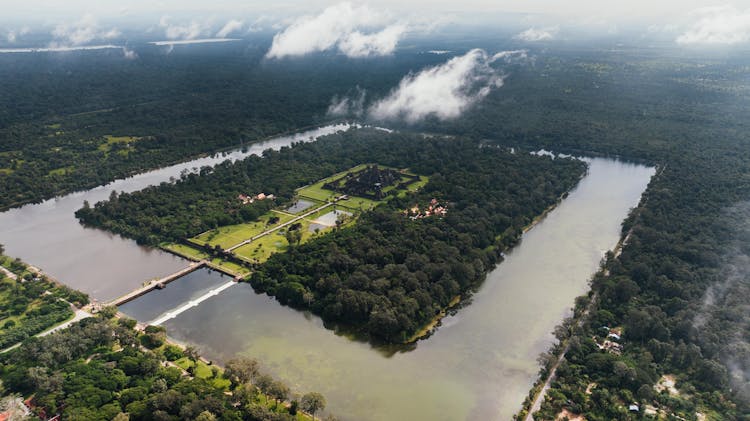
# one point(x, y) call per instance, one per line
point(371, 28)
point(633, 9)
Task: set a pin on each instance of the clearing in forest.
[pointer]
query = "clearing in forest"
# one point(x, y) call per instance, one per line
point(333, 202)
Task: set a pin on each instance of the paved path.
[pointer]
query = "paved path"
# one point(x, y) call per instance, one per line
point(278, 227)
point(79, 315)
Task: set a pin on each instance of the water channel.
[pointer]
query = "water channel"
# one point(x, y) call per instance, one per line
point(479, 365)
point(104, 265)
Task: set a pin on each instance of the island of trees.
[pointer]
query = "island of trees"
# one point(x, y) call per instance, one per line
point(387, 275)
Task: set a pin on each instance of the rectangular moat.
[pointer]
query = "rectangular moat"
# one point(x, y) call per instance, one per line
point(480, 364)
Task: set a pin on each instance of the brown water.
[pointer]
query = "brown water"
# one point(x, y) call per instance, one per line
point(479, 365)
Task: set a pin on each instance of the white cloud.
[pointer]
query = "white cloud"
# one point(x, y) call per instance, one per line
point(348, 105)
point(192, 30)
point(129, 54)
point(11, 36)
point(444, 91)
point(231, 26)
point(718, 25)
point(339, 26)
point(112, 33)
point(538, 34)
point(380, 43)
point(81, 32)
point(511, 56)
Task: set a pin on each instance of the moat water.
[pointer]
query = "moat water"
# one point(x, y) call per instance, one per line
point(479, 364)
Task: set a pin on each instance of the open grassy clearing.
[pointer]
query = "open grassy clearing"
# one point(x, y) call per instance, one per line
point(62, 171)
point(188, 252)
point(215, 375)
point(316, 191)
point(110, 142)
point(195, 253)
point(204, 371)
point(231, 235)
point(230, 267)
point(316, 224)
point(261, 249)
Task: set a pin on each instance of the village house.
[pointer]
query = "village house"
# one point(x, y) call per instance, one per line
point(433, 209)
point(245, 199)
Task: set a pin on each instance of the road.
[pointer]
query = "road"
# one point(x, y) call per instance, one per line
point(78, 316)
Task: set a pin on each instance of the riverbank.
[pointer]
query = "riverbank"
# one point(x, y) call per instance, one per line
point(539, 390)
point(169, 163)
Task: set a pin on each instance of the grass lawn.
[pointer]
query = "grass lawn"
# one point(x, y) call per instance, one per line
point(203, 371)
point(110, 141)
point(261, 249)
point(317, 192)
point(415, 185)
point(192, 253)
point(359, 203)
point(233, 268)
point(231, 235)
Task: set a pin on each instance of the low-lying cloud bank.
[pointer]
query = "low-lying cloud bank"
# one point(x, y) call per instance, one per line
point(725, 308)
point(183, 31)
point(341, 27)
point(81, 32)
point(444, 91)
point(538, 34)
point(230, 27)
point(718, 25)
point(349, 105)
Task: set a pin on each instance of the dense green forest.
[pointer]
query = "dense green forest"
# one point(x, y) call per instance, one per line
point(389, 274)
point(675, 290)
point(102, 369)
point(55, 110)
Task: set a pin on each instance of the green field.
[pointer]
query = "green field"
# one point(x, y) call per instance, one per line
point(316, 191)
point(191, 253)
point(261, 249)
point(195, 253)
point(231, 235)
point(123, 141)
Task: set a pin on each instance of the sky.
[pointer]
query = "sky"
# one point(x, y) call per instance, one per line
point(659, 10)
point(366, 30)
